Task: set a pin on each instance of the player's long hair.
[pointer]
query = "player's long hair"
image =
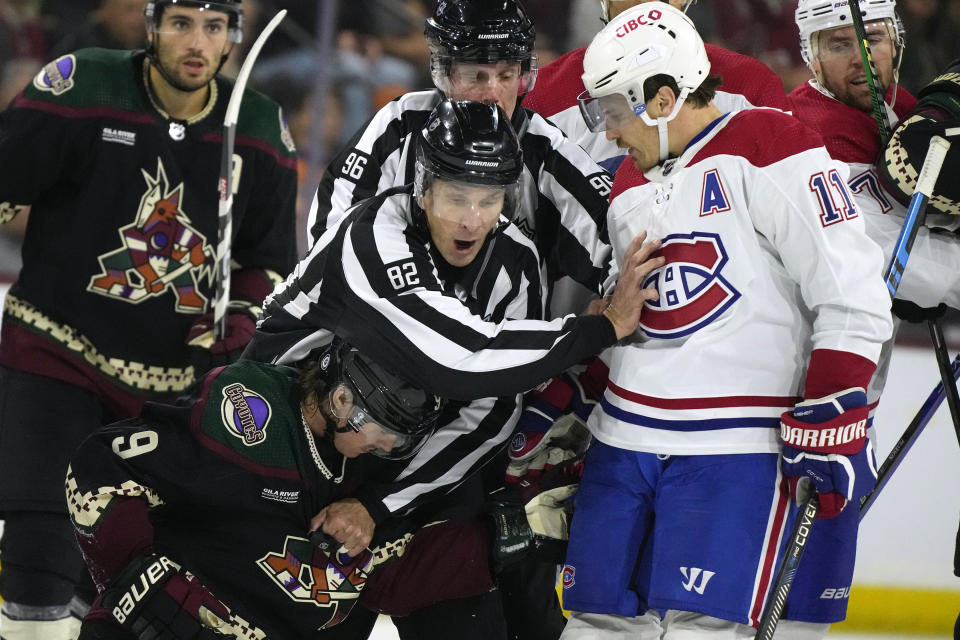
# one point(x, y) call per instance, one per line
point(312, 384)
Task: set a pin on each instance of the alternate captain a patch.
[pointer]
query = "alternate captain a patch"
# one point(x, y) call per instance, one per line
point(693, 291)
point(245, 413)
point(713, 197)
point(57, 76)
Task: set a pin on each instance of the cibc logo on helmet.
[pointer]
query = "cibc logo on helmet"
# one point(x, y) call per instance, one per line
point(632, 23)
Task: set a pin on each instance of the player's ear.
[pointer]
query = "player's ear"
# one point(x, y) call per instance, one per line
point(665, 100)
point(817, 71)
point(341, 400)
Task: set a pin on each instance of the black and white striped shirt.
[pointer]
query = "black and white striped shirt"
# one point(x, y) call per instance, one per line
point(472, 334)
point(563, 201)
point(375, 280)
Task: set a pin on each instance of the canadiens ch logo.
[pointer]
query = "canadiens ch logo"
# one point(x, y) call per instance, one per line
point(568, 576)
point(306, 575)
point(161, 252)
point(245, 414)
point(692, 290)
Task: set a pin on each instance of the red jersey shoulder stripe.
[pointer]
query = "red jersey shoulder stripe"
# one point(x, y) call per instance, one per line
point(761, 136)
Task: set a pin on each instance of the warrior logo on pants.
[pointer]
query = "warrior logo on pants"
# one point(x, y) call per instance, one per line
point(160, 251)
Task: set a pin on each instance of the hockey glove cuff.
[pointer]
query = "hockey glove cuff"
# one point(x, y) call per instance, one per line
point(153, 598)
point(938, 109)
point(207, 353)
point(346, 575)
point(550, 430)
point(826, 440)
point(511, 536)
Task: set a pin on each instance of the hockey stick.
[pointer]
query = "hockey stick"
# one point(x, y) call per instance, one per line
point(936, 153)
point(221, 295)
point(916, 213)
point(900, 449)
point(879, 109)
point(946, 372)
point(788, 566)
point(949, 374)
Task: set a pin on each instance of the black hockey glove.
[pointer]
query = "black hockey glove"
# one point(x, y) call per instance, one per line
point(937, 110)
point(207, 353)
point(511, 537)
point(346, 575)
point(154, 599)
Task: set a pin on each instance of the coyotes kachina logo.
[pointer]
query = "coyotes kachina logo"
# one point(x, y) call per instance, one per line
point(306, 575)
point(161, 251)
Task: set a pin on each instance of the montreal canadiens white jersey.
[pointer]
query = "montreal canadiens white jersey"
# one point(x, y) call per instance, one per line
point(932, 275)
point(767, 260)
point(747, 83)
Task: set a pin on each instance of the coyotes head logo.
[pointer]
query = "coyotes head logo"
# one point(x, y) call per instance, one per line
point(160, 251)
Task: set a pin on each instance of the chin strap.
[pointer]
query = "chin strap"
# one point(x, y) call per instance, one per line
point(661, 125)
point(664, 139)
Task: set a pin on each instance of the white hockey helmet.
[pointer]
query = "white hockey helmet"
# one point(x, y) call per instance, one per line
point(649, 39)
point(605, 6)
point(814, 16)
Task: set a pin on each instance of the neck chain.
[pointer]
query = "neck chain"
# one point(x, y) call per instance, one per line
point(324, 470)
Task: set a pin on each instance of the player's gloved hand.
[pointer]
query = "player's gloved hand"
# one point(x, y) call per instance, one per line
point(533, 519)
point(549, 512)
point(207, 353)
point(511, 536)
point(337, 555)
point(346, 575)
point(545, 437)
point(937, 110)
point(153, 598)
point(826, 440)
